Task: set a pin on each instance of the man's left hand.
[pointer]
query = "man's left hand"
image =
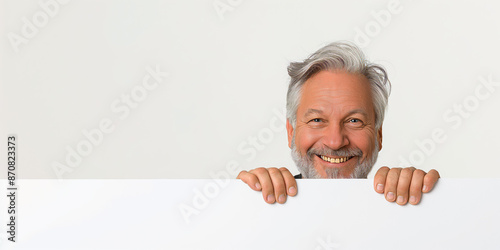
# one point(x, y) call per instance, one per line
point(404, 184)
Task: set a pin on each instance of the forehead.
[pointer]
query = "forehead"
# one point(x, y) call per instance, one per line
point(336, 91)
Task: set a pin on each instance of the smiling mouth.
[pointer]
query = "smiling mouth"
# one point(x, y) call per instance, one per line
point(335, 159)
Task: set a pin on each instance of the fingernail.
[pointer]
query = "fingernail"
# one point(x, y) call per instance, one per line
point(390, 196)
point(292, 190)
point(257, 185)
point(380, 187)
point(281, 198)
point(424, 189)
point(270, 198)
point(413, 199)
point(401, 199)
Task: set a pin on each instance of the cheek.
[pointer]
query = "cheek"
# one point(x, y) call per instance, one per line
point(364, 140)
point(306, 138)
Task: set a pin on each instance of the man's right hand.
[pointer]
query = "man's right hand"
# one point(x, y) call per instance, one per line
point(275, 184)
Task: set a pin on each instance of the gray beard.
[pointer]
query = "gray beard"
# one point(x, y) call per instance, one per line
point(305, 163)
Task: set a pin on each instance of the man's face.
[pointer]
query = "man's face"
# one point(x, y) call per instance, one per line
point(335, 135)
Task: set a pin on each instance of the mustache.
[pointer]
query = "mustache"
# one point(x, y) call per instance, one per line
point(342, 152)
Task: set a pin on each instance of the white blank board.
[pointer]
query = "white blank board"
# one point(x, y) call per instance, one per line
point(326, 214)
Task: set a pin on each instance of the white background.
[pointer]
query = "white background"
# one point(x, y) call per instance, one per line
point(227, 82)
point(326, 214)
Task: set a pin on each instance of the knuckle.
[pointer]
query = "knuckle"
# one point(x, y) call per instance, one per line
point(384, 168)
point(393, 174)
point(240, 174)
point(395, 170)
point(273, 171)
point(381, 173)
point(407, 171)
point(419, 173)
point(259, 171)
point(411, 168)
point(251, 177)
point(283, 169)
point(435, 172)
point(428, 178)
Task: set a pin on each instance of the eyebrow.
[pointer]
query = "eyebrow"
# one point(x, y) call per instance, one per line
point(313, 111)
point(358, 111)
point(320, 112)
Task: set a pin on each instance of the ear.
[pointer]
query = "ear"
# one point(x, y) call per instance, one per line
point(379, 138)
point(289, 130)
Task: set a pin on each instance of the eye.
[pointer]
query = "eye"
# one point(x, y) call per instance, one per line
point(316, 120)
point(355, 122)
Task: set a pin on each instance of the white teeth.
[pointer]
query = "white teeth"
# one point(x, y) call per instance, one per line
point(334, 160)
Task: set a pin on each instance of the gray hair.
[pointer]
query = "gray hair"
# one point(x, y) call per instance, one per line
point(343, 56)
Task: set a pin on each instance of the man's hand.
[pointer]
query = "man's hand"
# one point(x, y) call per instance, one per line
point(397, 184)
point(404, 184)
point(276, 184)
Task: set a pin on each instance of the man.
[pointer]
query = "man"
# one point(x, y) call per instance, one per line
point(335, 109)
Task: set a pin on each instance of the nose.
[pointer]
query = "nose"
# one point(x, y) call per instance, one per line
point(335, 137)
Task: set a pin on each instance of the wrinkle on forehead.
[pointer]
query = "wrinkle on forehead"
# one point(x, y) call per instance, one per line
point(338, 92)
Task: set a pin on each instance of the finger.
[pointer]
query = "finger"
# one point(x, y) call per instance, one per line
point(290, 183)
point(404, 185)
point(430, 180)
point(278, 184)
point(250, 179)
point(266, 183)
point(391, 184)
point(379, 180)
point(416, 186)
